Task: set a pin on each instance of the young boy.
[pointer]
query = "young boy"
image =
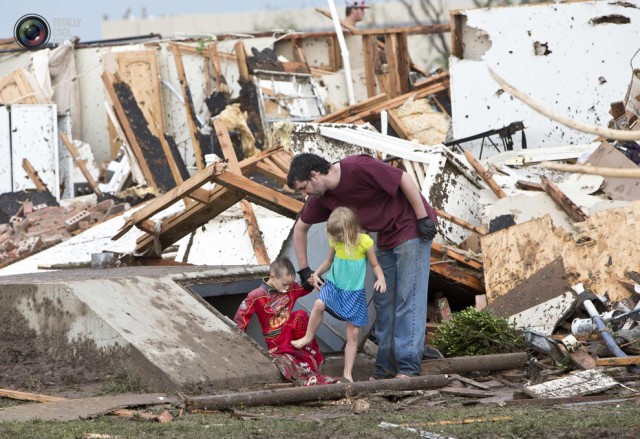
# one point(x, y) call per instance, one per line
point(273, 303)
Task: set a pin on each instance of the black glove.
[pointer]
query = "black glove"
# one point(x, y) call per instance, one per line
point(426, 229)
point(305, 274)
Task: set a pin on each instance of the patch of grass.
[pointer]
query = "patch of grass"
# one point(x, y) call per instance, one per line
point(473, 332)
point(126, 381)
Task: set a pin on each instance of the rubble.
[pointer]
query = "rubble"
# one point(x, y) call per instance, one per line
point(201, 134)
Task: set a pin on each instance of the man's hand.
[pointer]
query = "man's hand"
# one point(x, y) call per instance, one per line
point(305, 274)
point(426, 229)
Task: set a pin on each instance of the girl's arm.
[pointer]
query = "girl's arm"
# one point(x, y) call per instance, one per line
point(381, 284)
point(323, 268)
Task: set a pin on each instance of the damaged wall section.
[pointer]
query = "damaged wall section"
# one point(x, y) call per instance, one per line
point(565, 77)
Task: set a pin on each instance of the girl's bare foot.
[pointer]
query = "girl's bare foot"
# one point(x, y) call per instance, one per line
point(300, 343)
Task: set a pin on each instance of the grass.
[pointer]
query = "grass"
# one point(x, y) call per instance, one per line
point(336, 420)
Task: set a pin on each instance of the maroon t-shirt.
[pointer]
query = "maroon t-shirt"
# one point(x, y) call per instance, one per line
point(371, 188)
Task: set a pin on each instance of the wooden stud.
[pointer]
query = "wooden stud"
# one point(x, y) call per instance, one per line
point(574, 212)
point(109, 80)
point(214, 59)
point(476, 229)
point(391, 50)
point(241, 56)
point(618, 361)
point(370, 51)
point(80, 163)
point(485, 175)
point(336, 116)
point(269, 169)
point(458, 19)
point(33, 175)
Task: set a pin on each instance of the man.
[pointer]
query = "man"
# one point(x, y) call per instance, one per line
point(354, 11)
point(388, 202)
point(273, 303)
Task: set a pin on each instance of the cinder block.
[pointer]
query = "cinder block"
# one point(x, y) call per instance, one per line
point(72, 223)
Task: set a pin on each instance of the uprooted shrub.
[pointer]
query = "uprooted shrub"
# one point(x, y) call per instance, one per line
point(473, 332)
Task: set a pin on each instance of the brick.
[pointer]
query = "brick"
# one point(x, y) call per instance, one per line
point(27, 207)
point(9, 245)
point(84, 225)
point(72, 222)
point(104, 206)
point(4, 237)
point(118, 208)
point(40, 206)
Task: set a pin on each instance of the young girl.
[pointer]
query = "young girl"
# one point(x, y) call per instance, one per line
point(343, 293)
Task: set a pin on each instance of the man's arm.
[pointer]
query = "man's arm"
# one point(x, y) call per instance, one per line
point(300, 242)
point(410, 190)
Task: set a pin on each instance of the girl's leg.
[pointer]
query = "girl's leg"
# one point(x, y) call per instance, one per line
point(350, 350)
point(315, 319)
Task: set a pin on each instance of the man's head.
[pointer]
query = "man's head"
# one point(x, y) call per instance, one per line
point(354, 10)
point(282, 274)
point(306, 173)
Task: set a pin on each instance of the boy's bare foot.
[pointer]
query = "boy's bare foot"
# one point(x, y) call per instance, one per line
point(346, 379)
point(300, 343)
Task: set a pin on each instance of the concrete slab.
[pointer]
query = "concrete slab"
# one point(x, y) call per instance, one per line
point(130, 323)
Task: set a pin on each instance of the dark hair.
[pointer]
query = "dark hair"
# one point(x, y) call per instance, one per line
point(282, 267)
point(302, 165)
point(347, 10)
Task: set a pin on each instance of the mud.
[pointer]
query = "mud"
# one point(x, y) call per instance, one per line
point(48, 362)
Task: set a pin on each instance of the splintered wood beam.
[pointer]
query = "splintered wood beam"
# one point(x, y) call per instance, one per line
point(261, 195)
point(253, 230)
point(33, 175)
point(194, 216)
point(618, 361)
point(391, 49)
point(485, 175)
point(214, 59)
point(397, 126)
point(440, 251)
point(168, 198)
point(241, 56)
point(574, 212)
point(336, 116)
point(529, 186)
point(456, 274)
point(282, 161)
point(23, 396)
point(269, 169)
point(81, 163)
point(370, 50)
point(465, 225)
point(200, 195)
point(188, 103)
point(109, 80)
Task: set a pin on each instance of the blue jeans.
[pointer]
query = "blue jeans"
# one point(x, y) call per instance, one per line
point(401, 312)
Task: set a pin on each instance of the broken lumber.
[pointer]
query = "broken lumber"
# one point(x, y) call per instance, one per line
point(618, 361)
point(475, 363)
point(465, 225)
point(485, 175)
point(593, 170)
point(24, 396)
point(314, 393)
point(356, 108)
point(33, 175)
point(80, 163)
point(574, 212)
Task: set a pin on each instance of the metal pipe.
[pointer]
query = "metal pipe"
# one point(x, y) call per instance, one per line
point(344, 51)
point(607, 337)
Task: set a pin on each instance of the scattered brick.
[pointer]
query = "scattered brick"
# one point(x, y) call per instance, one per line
point(4, 237)
point(9, 245)
point(84, 225)
point(72, 222)
point(27, 207)
point(104, 205)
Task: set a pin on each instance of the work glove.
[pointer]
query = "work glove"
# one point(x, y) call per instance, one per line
point(426, 229)
point(305, 274)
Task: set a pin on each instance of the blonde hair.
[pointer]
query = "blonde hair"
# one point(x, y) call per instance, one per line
point(343, 226)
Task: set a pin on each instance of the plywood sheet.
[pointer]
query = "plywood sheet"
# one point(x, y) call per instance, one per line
point(422, 122)
point(18, 88)
point(604, 248)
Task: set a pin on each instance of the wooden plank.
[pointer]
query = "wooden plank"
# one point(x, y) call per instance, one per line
point(14, 394)
point(214, 59)
point(269, 169)
point(188, 102)
point(485, 175)
point(458, 20)
point(282, 161)
point(80, 163)
point(581, 359)
point(343, 23)
point(618, 361)
point(33, 175)
point(529, 186)
point(299, 56)
point(462, 391)
point(370, 49)
point(391, 50)
point(398, 126)
point(458, 255)
point(574, 212)
point(241, 56)
point(586, 382)
point(455, 274)
point(261, 195)
point(404, 62)
point(470, 382)
point(476, 229)
point(253, 230)
point(336, 116)
point(200, 195)
point(168, 198)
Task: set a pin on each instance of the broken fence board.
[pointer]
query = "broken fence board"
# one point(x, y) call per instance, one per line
point(618, 361)
point(586, 382)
